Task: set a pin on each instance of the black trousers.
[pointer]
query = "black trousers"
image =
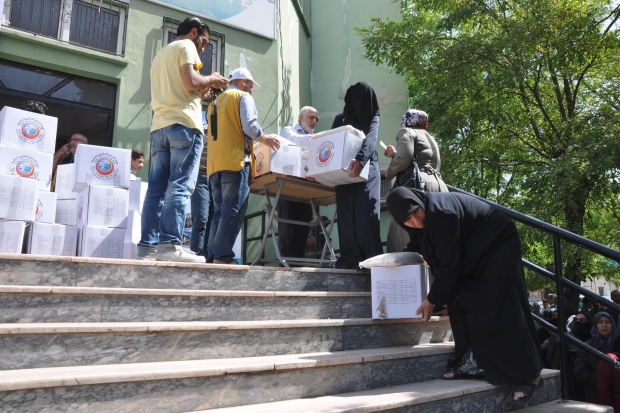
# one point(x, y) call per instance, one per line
point(292, 238)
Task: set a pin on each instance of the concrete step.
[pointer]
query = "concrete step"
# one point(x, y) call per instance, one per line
point(463, 396)
point(569, 406)
point(42, 270)
point(33, 304)
point(28, 346)
point(179, 386)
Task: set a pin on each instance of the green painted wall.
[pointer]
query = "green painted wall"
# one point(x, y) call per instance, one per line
point(338, 61)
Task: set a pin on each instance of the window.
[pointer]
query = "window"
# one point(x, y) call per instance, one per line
point(95, 24)
point(213, 56)
point(601, 290)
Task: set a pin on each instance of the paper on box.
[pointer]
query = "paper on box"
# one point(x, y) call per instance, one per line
point(64, 182)
point(11, 236)
point(66, 212)
point(28, 130)
point(286, 160)
point(27, 163)
point(330, 155)
point(101, 242)
point(18, 197)
point(101, 165)
point(102, 206)
point(52, 239)
point(46, 207)
point(401, 288)
point(137, 192)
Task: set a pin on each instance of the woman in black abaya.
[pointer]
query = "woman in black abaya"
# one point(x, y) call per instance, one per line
point(358, 204)
point(475, 254)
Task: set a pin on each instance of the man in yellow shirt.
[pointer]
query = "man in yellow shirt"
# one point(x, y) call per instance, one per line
point(177, 88)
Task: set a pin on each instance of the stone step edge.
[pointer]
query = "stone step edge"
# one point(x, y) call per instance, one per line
point(170, 326)
point(375, 400)
point(568, 406)
point(142, 263)
point(20, 289)
point(13, 380)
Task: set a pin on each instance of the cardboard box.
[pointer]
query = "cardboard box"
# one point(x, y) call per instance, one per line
point(101, 242)
point(330, 155)
point(27, 163)
point(28, 130)
point(286, 160)
point(100, 165)
point(66, 212)
point(133, 232)
point(65, 182)
point(397, 292)
point(130, 250)
point(137, 192)
point(102, 206)
point(18, 198)
point(52, 239)
point(46, 208)
point(11, 236)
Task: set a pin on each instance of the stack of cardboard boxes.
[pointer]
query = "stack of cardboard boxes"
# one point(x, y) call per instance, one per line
point(94, 200)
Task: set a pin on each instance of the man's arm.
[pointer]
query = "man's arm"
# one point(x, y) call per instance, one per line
point(193, 80)
point(298, 139)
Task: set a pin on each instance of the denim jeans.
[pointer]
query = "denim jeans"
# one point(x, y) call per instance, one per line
point(230, 191)
point(202, 214)
point(175, 152)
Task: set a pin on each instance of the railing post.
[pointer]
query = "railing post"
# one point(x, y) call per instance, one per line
point(557, 253)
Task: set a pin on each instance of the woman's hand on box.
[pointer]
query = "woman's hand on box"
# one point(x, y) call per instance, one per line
point(356, 168)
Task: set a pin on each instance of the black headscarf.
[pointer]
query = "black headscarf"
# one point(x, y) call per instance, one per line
point(582, 330)
point(360, 106)
point(401, 202)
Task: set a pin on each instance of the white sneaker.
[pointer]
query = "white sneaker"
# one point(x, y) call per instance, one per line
point(146, 253)
point(175, 253)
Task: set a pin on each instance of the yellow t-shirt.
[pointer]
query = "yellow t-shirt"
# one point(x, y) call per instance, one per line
point(170, 101)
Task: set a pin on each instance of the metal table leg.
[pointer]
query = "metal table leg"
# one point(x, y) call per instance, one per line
point(270, 213)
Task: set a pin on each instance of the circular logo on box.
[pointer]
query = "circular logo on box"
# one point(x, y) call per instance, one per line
point(39, 210)
point(259, 163)
point(25, 168)
point(30, 130)
point(325, 153)
point(104, 166)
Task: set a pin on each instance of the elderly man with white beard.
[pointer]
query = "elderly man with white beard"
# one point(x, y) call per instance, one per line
point(292, 238)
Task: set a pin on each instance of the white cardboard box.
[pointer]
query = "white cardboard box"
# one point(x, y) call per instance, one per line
point(52, 239)
point(102, 206)
point(286, 160)
point(28, 130)
point(18, 198)
point(130, 250)
point(137, 192)
point(101, 242)
point(65, 182)
point(46, 207)
point(403, 288)
point(66, 212)
point(11, 236)
point(134, 227)
point(100, 165)
point(27, 164)
point(329, 158)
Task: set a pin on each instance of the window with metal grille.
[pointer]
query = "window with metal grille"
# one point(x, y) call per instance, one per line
point(212, 57)
point(95, 24)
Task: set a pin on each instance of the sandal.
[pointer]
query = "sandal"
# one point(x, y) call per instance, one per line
point(528, 389)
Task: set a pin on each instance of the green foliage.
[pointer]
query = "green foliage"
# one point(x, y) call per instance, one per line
point(523, 98)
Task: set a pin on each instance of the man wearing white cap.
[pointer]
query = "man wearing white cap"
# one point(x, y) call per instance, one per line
point(233, 126)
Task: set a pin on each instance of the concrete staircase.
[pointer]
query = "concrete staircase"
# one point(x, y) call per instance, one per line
point(95, 335)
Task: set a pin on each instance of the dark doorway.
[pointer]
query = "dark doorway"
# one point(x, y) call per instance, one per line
point(81, 105)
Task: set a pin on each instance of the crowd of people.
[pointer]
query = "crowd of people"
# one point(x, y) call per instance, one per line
point(590, 379)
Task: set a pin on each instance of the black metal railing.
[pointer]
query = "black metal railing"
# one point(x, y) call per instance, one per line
point(558, 235)
point(95, 24)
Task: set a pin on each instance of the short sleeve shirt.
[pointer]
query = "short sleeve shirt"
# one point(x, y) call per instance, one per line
point(170, 100)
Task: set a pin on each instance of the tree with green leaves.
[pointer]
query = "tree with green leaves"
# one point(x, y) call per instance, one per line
point(523, 97)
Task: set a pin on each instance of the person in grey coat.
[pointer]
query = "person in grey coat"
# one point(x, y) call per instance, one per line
point(413, 142)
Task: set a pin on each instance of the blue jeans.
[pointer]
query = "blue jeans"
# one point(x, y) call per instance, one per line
point(202, 213)
point(175, 152)
point(230, 192)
